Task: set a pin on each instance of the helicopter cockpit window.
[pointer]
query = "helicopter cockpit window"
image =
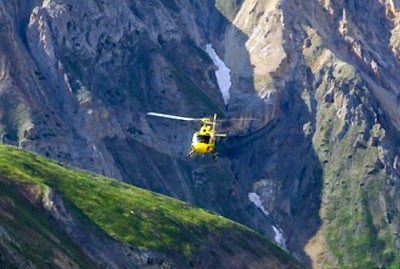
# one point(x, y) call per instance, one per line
point(202, 139)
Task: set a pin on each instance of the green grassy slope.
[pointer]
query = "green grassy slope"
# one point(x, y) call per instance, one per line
point(27, 237)
point(126, 213)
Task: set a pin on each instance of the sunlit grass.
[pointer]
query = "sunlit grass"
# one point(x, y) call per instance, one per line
point(127, 213)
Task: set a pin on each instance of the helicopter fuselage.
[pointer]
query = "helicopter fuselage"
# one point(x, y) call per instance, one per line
point(203, 141)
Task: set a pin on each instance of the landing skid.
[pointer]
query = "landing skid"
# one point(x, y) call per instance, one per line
point(191, 153)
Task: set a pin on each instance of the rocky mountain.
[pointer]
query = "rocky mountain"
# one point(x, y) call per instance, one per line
point(318, 172)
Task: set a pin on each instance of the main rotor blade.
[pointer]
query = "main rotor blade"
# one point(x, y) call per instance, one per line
point(172, 116)
point(237, 119)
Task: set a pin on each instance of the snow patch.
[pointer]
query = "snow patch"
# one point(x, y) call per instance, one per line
point(222, 74)
point(257, 201)
point(279, 238)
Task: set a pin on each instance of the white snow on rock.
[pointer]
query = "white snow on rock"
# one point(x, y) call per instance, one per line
point(279, 238)
point(257, 201)
point(222, 74)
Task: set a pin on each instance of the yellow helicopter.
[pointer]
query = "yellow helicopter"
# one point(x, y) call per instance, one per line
point(203, 141)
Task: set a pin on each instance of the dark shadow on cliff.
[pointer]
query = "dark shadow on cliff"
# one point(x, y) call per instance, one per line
point(279, 154)
point(280, 157)
point(297, 163)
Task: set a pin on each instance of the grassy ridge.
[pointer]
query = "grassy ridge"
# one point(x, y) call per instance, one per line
point(127, 213)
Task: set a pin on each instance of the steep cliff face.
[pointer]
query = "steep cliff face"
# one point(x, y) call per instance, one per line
point(327, 163)
point(321, 77)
